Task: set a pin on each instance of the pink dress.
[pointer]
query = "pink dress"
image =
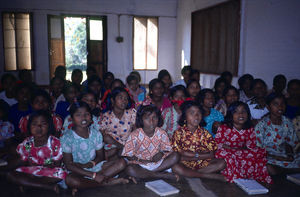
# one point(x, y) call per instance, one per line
point(244, 159)
point(41, 156)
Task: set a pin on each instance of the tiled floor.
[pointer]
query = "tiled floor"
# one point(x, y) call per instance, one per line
point(187, 187)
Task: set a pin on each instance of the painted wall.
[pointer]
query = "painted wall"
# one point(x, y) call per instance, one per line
point(119, 54)
point(270, 39)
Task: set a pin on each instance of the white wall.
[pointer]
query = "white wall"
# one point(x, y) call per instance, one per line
point(270, 39)
point(119, 54)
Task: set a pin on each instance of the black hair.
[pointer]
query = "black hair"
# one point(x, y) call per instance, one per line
point(293, 81)
point(76, 71)
point(243, 79)
point(83, 94)
point(79, 104)
point(56, 78)
point(152, 83)
point(201, 96)
point(6, 76)
point(271, 97)
point(115, 93)
point(59, 69)
point(256, 81)
point(23, 73)
point(192, 81)
point(146, 110)
point(194, 71)
point(162, 73)
point(20, 86)
point(67, 87)
point(278, 78)
point(228, 120)
point(219, 81)
point(225, 74)
point(174, 89)
point(92, 79)
point(108, 74)
point(47, 116)
point(137, 74)
point(43, 93)
point(185, 69)
point(230, 87)
point(187, 105)
point(4, 107)
point(118, 81)
point(130, 78)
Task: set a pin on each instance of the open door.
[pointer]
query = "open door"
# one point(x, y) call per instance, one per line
point(56, 43)
point(62, 46)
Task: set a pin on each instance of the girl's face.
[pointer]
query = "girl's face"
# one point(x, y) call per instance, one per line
point(90, 100)
point(72, 93)
point(220, 88)
point(193, 116)
point(246, 85)
point(115, 85)
point(179, 95)
point(57, 86)
point(108, 80)
point(77, 78)
point(39, 127)
point(193, 89)
point(121, 101)
point(40, 103)
point(95, 87)
point(231, 97)
point(150, 121)
point(277, 107)
point(167, 81)
point(23, 95)
point(240, 116)
point(209, 100)
point(82, 117)
point(133, 85)
point(294, 90)
point(158, 90)
point(259, 90)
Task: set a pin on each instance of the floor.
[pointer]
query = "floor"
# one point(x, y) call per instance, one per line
point(188, 187)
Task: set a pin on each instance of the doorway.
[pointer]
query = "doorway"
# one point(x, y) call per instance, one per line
point(77, 42)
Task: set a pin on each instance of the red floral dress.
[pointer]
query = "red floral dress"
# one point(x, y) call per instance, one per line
point(41, 156)
point(244, 159)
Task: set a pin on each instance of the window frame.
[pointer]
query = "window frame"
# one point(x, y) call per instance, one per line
point(133, 33)
point(31, 41)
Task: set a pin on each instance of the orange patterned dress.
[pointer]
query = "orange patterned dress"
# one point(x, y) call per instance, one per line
point(199, 141)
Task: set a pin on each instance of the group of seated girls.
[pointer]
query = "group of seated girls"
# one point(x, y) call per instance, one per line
point(97, 133)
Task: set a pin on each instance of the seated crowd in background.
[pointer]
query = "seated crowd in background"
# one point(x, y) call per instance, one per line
point(107, 131)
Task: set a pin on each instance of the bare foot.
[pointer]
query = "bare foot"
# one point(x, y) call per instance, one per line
point(133, 179)
point(170, 176)
point(115, 181)
point(74, 191)
point(21, 189)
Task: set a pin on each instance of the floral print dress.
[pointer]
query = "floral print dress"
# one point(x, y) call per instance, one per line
point(197, 141)
point(41, 156)
point(243, 158)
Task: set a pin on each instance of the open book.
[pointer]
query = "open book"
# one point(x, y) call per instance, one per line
point(294, 178)
point(251, 186)
point(161, 187)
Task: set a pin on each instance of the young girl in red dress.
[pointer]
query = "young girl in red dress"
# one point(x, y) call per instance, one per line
point(237, 146)
point(40, 156)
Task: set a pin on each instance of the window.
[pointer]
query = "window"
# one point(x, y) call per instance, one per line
point(215, 38)
point(145, 42)
point(17, 41)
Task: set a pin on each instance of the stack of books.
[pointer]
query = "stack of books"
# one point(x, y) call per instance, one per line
point(251, 186)
point(161, 187)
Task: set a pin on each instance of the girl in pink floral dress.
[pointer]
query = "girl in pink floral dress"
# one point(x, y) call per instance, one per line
point(40, 156)
point(236, 142)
